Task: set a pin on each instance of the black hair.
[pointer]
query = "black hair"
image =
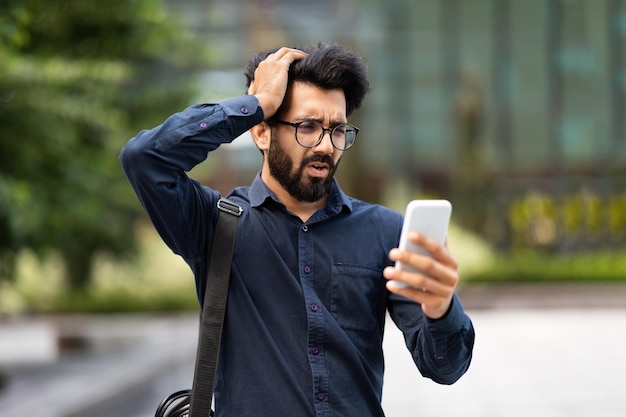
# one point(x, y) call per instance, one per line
point(328, 67)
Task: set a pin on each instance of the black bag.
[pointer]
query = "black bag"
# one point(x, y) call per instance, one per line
point(175, 405)
point(196, 402)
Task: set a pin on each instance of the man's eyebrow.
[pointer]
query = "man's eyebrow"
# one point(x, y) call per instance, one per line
point(320, 120)
point(317, 119)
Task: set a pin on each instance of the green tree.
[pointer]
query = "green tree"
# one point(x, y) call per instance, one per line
point(77, 79)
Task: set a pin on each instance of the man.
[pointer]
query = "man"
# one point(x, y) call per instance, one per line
point(312, 275)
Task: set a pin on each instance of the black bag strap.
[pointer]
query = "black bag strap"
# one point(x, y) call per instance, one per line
point(218, 278)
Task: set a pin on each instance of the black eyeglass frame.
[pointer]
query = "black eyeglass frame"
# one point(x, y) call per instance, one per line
point(330, 131)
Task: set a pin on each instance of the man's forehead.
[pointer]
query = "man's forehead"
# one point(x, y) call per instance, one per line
point(307, 97)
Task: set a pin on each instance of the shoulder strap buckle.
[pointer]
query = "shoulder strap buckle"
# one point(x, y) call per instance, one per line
point(229, 207)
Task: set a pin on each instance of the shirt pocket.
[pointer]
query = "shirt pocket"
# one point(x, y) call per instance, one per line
point(356, 296)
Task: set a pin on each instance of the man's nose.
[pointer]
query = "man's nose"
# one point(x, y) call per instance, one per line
point(325, 145)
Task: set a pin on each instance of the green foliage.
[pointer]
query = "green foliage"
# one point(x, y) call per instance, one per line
point(534, 266)
point(121, 301)
point(575, 237)
point(540, 220)
point(77, 80)
point(155, 280)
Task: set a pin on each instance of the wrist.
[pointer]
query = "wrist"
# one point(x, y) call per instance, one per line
point(267, 105)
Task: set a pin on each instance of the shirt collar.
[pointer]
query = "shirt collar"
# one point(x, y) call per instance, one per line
point(337, 201)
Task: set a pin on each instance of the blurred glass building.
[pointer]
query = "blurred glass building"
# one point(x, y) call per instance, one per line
point(515, 110)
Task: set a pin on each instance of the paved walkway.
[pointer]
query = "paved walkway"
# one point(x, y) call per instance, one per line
point(540, 363)
point(531, 358)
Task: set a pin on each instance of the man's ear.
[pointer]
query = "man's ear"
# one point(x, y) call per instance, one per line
point(261, 134)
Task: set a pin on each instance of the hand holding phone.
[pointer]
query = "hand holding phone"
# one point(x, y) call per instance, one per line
point(429, 218)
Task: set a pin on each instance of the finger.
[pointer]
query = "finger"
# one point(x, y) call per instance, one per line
point(427, 266)
point(427, 298)
point(284, 51)
point(433, 305)
point(415, 280)
point(279, 61)
point(415, 294)
point(439, 252)
point(287, 54)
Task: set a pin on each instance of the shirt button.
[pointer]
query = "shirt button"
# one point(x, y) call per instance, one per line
point(202, 125)
point(314, 307)
point(244, 110)
point(320, 396)
point(315, 351)
point(305, 228)
point(307, 269)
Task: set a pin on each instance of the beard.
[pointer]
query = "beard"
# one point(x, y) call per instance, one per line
point(300, 188)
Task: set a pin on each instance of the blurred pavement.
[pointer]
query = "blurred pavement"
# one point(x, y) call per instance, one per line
point(540, 351)
point(108, 366)
point(539, 362)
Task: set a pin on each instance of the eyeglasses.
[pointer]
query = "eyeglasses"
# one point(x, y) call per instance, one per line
point(309, 133)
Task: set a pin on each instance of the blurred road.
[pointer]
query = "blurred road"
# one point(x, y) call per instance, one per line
point(530, 359)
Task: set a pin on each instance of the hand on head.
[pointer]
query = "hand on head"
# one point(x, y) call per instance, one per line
point(271, 78)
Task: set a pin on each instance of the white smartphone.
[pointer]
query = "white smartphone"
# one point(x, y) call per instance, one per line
point(428, 217)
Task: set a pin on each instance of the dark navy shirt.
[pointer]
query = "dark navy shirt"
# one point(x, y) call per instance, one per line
point(307, 301)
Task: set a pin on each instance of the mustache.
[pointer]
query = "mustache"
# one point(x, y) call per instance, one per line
point(319, 158)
